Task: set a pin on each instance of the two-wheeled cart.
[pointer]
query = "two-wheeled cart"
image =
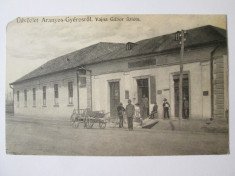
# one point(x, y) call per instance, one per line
point(88, 118)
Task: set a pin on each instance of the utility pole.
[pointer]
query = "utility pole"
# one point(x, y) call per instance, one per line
point(180, 36)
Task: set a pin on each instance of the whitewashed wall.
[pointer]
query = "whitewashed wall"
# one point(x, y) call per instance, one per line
point(64, 110)
point(199, 81)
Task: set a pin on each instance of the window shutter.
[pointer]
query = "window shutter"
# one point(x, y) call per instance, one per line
point(153, 89)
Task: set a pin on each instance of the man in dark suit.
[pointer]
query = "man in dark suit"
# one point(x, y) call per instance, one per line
point(120, 110)
point(130, 111)
point(154, 111)
point(166, 107)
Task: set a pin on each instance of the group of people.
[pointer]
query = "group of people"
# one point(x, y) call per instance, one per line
point(185, 109)
point(130, 111)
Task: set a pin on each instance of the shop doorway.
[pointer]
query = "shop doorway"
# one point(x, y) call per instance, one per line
point(143, 91)
point(185, 91)
point(114, 97)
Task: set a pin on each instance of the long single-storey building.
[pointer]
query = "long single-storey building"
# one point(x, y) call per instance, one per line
point(101, 76)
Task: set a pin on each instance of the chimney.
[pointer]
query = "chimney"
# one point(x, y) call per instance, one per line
point(130, 45)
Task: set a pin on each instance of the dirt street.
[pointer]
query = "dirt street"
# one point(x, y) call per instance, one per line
point(27, 136)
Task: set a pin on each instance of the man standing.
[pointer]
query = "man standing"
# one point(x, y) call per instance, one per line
point(130, 111)
point(120, 110)
point(154, 111)
point(166, 107)
point(145, 105)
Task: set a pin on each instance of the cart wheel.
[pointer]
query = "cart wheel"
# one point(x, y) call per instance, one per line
point(75, 123)
point(102, 124)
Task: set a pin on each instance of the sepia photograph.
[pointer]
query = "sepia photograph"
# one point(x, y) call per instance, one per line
point(117, 85)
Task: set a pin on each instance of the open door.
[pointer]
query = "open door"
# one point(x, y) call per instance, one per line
point(185, 91)
point(143, 90)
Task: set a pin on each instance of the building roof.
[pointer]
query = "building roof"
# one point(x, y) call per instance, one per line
point(109, 51)
point(194, 37)
point(72, 60)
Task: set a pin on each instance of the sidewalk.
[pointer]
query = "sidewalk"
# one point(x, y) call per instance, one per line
point(193, 125)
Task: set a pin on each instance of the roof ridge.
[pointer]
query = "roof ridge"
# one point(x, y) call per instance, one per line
point(79, 50)
point(220, 31)
point(211, 26)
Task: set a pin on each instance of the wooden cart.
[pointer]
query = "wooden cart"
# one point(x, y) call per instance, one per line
point(88, 118)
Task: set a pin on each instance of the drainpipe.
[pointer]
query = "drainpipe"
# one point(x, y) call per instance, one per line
point(212, 81)
point(13, 98)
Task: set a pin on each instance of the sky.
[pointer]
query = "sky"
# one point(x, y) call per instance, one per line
point(30, 45)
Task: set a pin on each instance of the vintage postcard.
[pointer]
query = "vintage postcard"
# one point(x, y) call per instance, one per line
point(117, 85)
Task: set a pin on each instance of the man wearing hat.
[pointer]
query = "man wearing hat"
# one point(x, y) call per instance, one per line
point(166, 107)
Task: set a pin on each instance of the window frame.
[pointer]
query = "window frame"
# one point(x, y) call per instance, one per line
point(18, 98)
point(25, 98)
point(34, 97)
point(83, 81)
point(44, 95)
point(56, 94)
point(70, 93)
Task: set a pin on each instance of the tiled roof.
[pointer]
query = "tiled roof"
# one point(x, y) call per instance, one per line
point(72, 60)
point(109, 51)
point(194, 37)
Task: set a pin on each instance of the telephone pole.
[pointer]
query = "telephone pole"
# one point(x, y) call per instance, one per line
point(180, 36)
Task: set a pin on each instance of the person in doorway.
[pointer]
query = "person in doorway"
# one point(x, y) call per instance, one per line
point(185, 108)
point(120, 111)
point(137, 112)
point(130, 111)
point(154, 111)
point(145, 105)
point(166, 107)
